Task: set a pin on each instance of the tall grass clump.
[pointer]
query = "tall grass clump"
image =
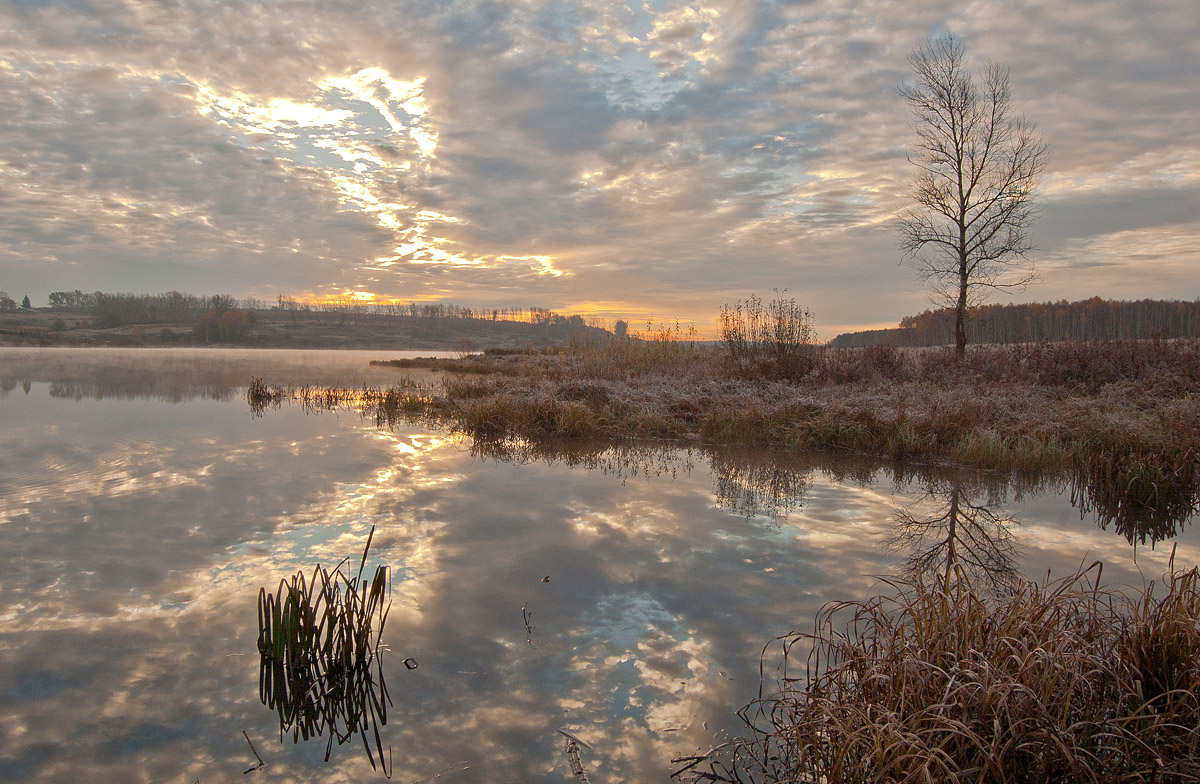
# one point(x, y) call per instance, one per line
point(773, 339)
point(262, 396)
point(319, 664)
point(1063, 681)
point(662, 348)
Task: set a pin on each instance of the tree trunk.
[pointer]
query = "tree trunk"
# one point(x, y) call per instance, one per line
point(960, 314)
point(952, 537)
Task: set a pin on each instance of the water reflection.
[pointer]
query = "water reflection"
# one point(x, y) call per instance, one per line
point(956, 527)
point(1144, 502)
point(746, 484)
point(960, 534)
point(968, 528)
point(137, 535)
point(182, 374)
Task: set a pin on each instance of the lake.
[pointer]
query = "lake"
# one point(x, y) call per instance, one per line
point(622, 595)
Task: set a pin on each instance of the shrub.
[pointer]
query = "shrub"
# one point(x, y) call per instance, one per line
point(774, 339)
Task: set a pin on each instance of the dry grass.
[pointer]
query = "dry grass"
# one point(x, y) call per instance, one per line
point(1055, 682)
point(1123, 417)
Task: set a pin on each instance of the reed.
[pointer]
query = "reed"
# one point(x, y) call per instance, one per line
point(319, 664)
point(1066, 681)
point(262, 396)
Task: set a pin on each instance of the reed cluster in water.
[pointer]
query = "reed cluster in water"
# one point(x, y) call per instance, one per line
point(937, 681)
point(319, 665)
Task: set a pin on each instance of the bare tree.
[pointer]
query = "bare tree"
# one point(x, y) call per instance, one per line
point(977, 170)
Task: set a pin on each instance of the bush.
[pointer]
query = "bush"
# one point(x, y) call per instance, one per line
point(773, 339)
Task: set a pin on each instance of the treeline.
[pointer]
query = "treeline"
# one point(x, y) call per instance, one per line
point(1090, 319)
point(350, 312)
point(222, 318)
point(115, 310)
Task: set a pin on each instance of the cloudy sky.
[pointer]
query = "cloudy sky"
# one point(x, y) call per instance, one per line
point(618, 159)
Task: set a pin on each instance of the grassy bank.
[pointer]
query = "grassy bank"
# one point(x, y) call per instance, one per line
point(1071, 681)
point(1123, 417)
point(1125, 412)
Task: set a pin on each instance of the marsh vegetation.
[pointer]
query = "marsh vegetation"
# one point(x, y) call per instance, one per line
point(1120, 417)
point(320, 663)
point(940, 679)
point(964, 670)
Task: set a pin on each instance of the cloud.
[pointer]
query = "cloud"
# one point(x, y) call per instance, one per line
point(662, 157)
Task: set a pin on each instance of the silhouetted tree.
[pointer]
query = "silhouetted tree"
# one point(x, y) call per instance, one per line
point(977, 169)
point(25, 303)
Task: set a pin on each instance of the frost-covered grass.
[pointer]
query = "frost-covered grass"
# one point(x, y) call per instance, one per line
point(1071, 681)
point(1125, 415)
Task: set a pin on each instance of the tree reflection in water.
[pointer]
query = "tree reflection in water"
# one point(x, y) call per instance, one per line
point(968, 527)
point(962, 537)
point(750, 486)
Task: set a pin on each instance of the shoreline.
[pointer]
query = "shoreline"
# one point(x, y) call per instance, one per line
point(1125, 416)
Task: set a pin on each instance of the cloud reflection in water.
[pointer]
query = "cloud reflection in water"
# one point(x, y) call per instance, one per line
point(132, 565)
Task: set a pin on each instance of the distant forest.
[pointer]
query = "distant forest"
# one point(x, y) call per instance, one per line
point(174, 318)
point(112, 310)
point(1090, 319)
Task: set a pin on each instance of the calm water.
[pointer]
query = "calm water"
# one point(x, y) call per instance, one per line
point(142, 507)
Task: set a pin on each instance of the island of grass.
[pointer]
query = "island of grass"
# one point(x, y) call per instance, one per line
point(1125, 412)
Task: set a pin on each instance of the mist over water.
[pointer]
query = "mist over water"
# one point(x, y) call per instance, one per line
point(143, 506)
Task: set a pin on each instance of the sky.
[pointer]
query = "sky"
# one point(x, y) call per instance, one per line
point(634, 160)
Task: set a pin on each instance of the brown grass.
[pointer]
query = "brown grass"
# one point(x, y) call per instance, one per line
point(1063, 681)
point(1123, 417)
